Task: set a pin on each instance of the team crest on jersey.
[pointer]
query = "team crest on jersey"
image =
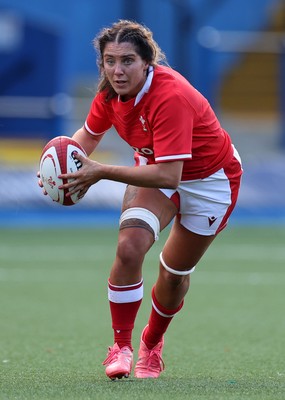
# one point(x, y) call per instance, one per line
point(143, 122)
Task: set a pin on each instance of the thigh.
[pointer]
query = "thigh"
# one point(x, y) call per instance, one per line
point(153, 200)
point(183, 248)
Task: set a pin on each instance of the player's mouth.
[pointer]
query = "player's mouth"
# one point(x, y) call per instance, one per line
point(120, 84)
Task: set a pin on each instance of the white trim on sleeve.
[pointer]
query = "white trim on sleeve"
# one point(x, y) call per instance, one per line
point(90, 131)
point(174, 157)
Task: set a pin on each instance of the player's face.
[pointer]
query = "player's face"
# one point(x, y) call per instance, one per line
point(124, 68)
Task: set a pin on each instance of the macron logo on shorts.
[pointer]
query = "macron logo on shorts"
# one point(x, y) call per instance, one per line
point(211, 220)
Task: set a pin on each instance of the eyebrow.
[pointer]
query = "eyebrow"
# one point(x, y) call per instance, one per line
point(124, 55)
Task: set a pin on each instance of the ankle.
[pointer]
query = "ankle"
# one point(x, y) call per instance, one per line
point(150, 339)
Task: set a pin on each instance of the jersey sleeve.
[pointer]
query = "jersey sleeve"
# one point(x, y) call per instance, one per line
point(173, 129)
point(97, 121)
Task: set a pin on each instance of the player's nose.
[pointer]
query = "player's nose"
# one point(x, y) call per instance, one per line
point(118, 69)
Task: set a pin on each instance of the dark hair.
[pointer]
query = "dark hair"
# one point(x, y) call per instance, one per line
point(127, 31)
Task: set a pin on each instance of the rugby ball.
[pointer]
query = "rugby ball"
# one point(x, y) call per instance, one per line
point(58, 157)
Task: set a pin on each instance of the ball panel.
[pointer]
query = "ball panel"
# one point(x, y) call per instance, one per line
point(73, 165)
point(49, 171)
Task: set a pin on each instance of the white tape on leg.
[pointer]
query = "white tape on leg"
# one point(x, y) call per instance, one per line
point(175, 271)
point(144, 215)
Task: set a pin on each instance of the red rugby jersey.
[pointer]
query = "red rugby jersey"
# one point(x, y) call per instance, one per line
point(171, 121)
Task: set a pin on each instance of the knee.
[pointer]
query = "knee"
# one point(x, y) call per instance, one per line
point(175, 278)
point(139, 228)
point(132, 247)
point(174, 282)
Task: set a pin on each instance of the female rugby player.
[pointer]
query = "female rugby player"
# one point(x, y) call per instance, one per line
point(186, 169)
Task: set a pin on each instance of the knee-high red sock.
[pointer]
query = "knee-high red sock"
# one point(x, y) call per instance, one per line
point(159, 320)
point(124, 304)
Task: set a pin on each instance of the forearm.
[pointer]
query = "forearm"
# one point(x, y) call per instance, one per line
point(163, 175)
point(154, 176)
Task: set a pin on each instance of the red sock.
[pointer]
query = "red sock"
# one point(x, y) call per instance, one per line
point(159, 320)
point(124, 304)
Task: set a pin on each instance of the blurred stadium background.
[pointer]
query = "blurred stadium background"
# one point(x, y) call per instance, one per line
point(233, 51)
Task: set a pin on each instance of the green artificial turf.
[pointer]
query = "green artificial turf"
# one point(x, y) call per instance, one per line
point(228, 342)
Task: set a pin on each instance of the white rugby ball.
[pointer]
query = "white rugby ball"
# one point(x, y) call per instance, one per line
point(58, 157)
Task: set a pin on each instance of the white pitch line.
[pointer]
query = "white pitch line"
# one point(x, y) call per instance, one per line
point(23, 276)
point(200, 277)
point(54, 253)
point(86, 253)
point(239, 278)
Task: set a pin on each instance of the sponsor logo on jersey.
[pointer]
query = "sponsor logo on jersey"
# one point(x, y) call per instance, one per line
point(143, 151)
point(211, 220)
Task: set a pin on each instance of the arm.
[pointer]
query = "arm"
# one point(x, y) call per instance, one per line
point(86, 140)
point(162, 175)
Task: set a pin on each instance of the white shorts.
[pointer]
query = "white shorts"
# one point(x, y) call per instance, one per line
point(206, 204)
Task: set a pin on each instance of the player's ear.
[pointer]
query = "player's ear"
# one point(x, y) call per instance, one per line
point(146, 65)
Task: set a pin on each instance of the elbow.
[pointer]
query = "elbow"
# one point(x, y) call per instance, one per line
point(172, 186)
point(170, 174)
point(171, 183)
